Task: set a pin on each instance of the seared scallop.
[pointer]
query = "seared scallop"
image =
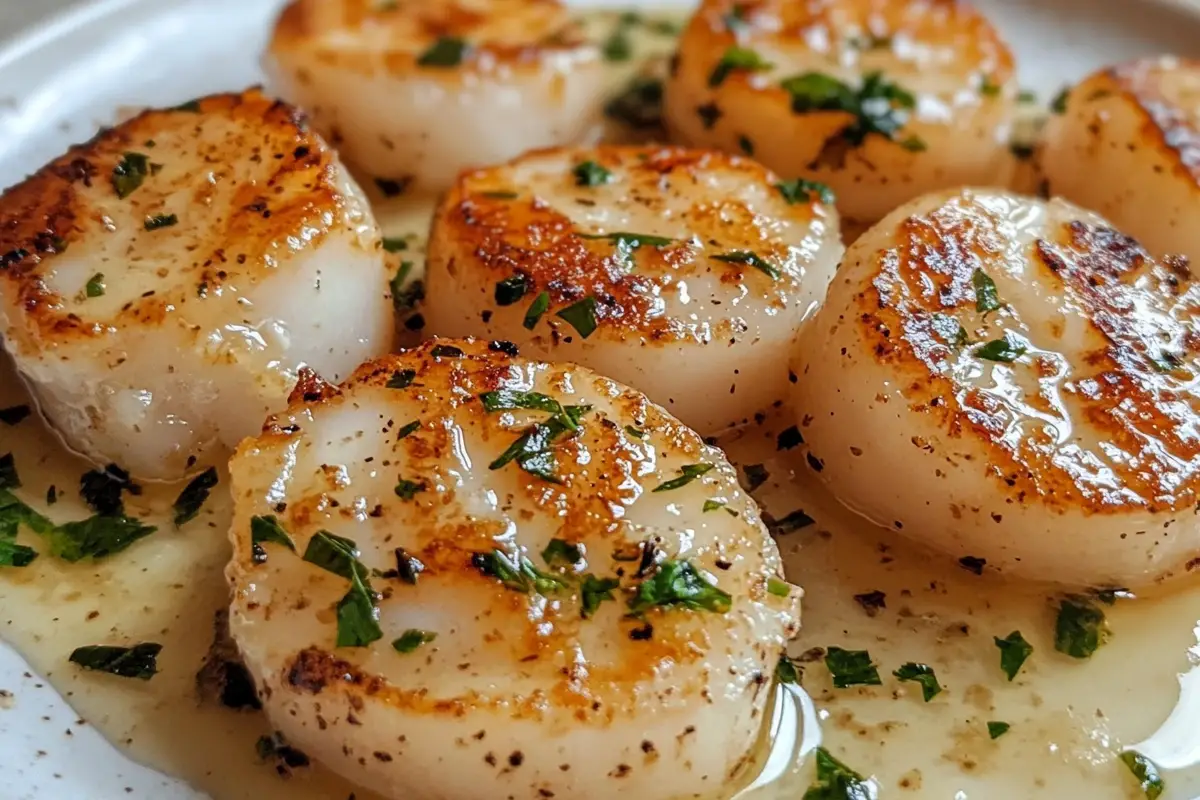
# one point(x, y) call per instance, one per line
point(1011, 380)
point(417, 90)
point(1126, 143)
point(883, 100)
point(680, 272)
point(162, 285)
point(509, 578)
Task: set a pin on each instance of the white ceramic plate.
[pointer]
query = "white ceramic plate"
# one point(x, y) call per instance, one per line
point(62, 80)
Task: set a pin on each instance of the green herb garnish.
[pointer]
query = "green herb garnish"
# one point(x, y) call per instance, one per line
point(1059, 104)
point(408, 430)
point(1146, 773)
point(448, 51)
point(851, 668)
point(778, 588)
point(561, 553)
point(537, 309)
point(594, 591)
point(402, 379)
point(986, 297)
point(129, 174)
point(581, 316)
point(736, 57)
point(688, 473)
point(749, 259)
point(532, 450)
point(679, 583)
point(639, 105)
point(187, 505)
point(836, 781)
point(160, 221)
point(1080, 629)
point(1001, 350)
point(407, 490)
point(922, 674)
point(394, 244)
point(139, 661)
point(15, 555)
point(404, 297)
point(801, 191)
point(1014, 652)
point(756, 476)
point(878, 106)
point(519, 574)
point(357, 625)
point(335, 554)
point(789, 524)
point(97, 537)
point(589, 173)
point(949, 330)
point(786, 670)
point(511, 290)
point(267, 529)
point(9, 479)
point(446, 351)
point(997, 729)
point(95, 286)
point(411, 639)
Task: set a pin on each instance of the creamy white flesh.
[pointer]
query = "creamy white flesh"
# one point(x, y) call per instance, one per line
point(1127, 146)
point(699, 335)
point(157, 329)
point(527, 79)
point(945, 55)
point(1071, 457)
point(518, 695)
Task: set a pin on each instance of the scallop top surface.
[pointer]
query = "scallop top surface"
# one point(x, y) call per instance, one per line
point(409, 35)
point(927, 47)
point(663, 242)
point(1085, 388)
point(187, 208)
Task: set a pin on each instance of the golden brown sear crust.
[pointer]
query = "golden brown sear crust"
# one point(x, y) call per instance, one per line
point(513, 232)
point(844, 25)
point(513, 34)
point(1168, 125)
point(1132, 389)
point(246, 162)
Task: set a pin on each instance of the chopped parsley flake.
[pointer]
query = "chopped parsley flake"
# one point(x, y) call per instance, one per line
point(836, 781)
point(789, 438)
point(746, 145)
point(1059, 104)
point(778, 588)
point(589, 173)
point(851, 668)
point(532, 450)
point(749, 259)
point(405, 298)
point(95, 286)
point(986, 297)
point(356, 613)
point(187, 505)
point(1146, 773)
point(511, 290)
point(689, 473)
point(129, 174)
point(160, 221)
point(267, 529)
point(1002, 350)
point(448, 51)
point(1080, 629)
point(517, 574)
point(581, 316)
point(402, 379)
point(101, 489)
point(735, 58)
point(679, 583)
point(561, 553)
point(801, 191)
point(922, 674)
point(594, 591)
point(446, 351)
point(789, 524)
point(97, 537)
point(394, 244)
point(412, 639)
point(407, 490)
point(997, 729)
point(1014, 652)
point(408, 567)
point(756, 476)
point(408, 430)
point(537, 309)
point(139, 661)
point(636, 433)
point(9, 479)
point(786, 670)
point(877, 106)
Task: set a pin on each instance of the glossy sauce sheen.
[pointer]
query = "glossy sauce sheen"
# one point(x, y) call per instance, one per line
point(1069, 719)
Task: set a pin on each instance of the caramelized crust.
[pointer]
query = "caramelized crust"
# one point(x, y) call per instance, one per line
point(1130, 394)
point(241, 173)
